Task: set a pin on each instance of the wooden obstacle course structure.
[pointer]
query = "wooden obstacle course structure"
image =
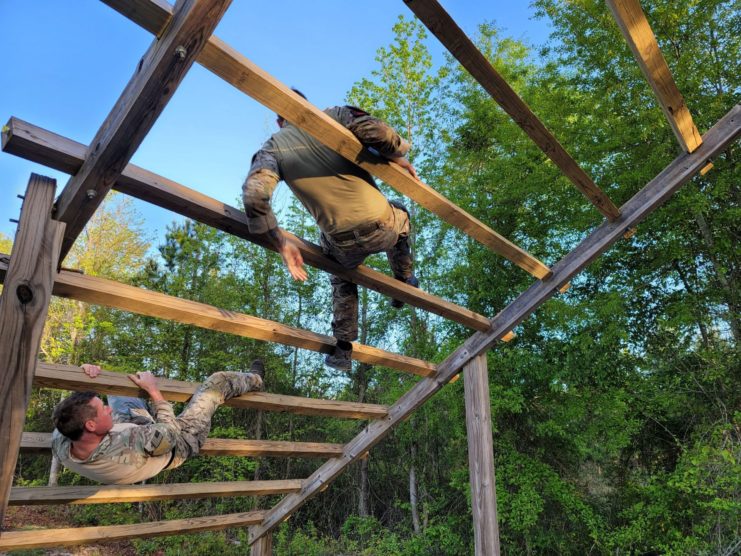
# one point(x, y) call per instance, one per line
point(184, 36)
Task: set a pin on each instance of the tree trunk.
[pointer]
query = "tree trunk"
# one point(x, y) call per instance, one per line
point(54, 471)
point(413, 496)
point(693, 304)
point(258, 436)
point(726, 285)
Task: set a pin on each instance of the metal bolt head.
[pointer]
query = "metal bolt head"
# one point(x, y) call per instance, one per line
point(180, 52)
point(91, 194)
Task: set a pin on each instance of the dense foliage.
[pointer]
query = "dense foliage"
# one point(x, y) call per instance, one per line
point(617, 412)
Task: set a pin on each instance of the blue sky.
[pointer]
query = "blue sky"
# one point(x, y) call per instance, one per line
point(64, 63)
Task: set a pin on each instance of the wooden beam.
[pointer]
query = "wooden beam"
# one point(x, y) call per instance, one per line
point(68, 377)
point(637, 32)
point(38, 442)
point(60, 153)
point(263, 546)
point(240, 72)
point(107, 494)
point(481, 457)
point(47, 538)
point(439, 22)
point(24, 304)
point(109, 293)
point(652, 196)
point(157, 76)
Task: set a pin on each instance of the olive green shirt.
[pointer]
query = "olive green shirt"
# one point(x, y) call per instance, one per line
point(339, 195)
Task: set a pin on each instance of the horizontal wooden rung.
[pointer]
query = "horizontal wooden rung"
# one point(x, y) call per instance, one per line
point(106, 494)
point(68, 377)
point(46, 538)
point(39, 145)
point(41, 442)
point(109, 293)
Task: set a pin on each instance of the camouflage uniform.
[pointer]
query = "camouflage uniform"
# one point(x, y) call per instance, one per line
point(354, 217)
point(140, 444)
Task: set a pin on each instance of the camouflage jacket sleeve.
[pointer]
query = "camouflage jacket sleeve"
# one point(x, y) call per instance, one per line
point(372, 132)
point(159, 438)
point(258, 190)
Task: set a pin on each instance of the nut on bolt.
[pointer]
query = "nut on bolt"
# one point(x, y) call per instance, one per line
point(91, 194)
point(180, 52)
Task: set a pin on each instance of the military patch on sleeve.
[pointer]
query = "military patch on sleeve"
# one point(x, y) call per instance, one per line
point(158, 443)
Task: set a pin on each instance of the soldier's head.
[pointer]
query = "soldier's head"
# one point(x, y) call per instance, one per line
point(280, 120)
point(81, 412)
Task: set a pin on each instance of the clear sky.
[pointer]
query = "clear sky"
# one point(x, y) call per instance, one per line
point(63, 64)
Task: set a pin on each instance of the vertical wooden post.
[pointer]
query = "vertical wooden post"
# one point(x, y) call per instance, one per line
point(23, 307)
point(263, 546)
point(481, 457)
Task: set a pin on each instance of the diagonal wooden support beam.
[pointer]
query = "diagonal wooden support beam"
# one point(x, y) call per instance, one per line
point(39, 145)
point(652, 196)
point(24, 304)
point(439, 22)
point(68, 377)
point(34, 442)
point(237, 70)
point(157, 77)
point(637, 32)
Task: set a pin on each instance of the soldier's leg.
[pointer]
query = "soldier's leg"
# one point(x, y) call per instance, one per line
point(127, 409)
point(195, 420)
point(344, 309)
point(344, 293)
point(400, 255)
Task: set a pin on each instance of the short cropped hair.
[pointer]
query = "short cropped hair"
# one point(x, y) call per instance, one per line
point(71, 414)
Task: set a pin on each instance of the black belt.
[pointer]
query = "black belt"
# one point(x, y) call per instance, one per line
point(172, 458)
point(360, 231)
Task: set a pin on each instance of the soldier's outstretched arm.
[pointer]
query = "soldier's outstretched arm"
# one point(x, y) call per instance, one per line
point(378, 136)
point(148, 382)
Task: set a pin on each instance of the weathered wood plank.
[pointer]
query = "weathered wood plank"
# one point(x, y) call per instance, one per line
point(39, 442)
point(439, 22)
point(101, 291)
point(263, 546)
point(637, 32)
point(157, 76)
point(652, 196)
point(42, 146)
point(47, 538)
point(24, 304)
point(481, 457)
point(107, 494)
point(73, 378)
point(240, 72)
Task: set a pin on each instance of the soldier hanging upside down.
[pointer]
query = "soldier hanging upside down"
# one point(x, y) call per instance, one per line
point(124, 443)
point(354, 217)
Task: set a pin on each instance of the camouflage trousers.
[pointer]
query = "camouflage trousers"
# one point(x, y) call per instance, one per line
point(391, 236)
point(194, 422)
